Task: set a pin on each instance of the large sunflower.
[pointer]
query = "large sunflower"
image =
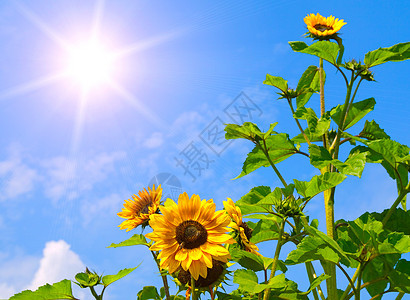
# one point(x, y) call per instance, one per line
point(321, 27)
point(243, 232)
point(138, 210)
point(190, 235)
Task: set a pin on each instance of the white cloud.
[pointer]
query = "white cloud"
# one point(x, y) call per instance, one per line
point(154, 141)
point(70, 177)
point(16, 177)
point(107, 206)
point(58, 262)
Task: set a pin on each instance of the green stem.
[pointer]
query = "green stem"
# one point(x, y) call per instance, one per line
point(164, 277)
point(96, 296)
point(400, 295)
point(366, 284)
point(359, 282)
point(322, 99)
point(348, 278)
point(311, 274)
point(193, 294)
point(346, 292)
point(276, 258)
point(266, 152)
point(402, 194)
point(297, 122)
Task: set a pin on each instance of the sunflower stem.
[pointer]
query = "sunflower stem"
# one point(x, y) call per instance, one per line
point(194, 296)
point(276, 258)
point(266, 152)
point(164, 277)
point(322, 99)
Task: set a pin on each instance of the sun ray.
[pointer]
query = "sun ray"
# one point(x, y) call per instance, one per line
point(40, 24)
point(32, 85)
point(79, 122)
point(148, 43)
point(98, 13)
point(137, 104)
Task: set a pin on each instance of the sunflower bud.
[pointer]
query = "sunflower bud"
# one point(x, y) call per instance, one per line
point(288, 207)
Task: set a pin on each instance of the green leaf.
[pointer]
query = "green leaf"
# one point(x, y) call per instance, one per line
point(323, 49)
point(252, 261)
point(59, 290)
point(279, 148)
point(372, 131)
point(148, 292)
point(397, 52)
point(251, 202)
point(277, 82)
point(224, 296)
point(248, 281)
point(309, 249)
point(264, 230)
point(318, 184)
point(136, 239)
point(398, 222)
point(315, 283)
point(247, 131)
point(400, 277)
point(354, 164)
point(356, 112)
point(377, 268)
point(108, 279)
point(308, 83)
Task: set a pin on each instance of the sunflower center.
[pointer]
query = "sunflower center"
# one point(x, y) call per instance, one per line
point(145, 209)
point(322, 27)
point(191, 234)
point(247, 230)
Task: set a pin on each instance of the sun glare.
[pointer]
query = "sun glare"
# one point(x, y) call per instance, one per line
point(90, 64)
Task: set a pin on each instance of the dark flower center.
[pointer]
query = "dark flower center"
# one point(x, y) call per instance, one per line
point(212, 276)
point(247, 230)
point(191, 234)
point(322, 27)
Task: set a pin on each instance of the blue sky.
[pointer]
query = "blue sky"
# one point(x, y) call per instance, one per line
point(68, 160)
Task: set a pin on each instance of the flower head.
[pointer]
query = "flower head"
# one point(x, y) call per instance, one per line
point(323, 28)
point(242, 230)
point(189, 235)
point(138, 210)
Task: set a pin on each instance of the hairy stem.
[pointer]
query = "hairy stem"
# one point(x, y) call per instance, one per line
point(297, 122)
point(164, 277)
point(276, 258)
point(325, 137)
point(402, 194)
point(312, 275)
point(346, 292)
point(194, 296)
point(266, 152)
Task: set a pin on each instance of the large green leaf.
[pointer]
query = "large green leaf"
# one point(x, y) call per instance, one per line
point(398, 222)
point(397, 52)
point(279, 148)
point(307, 85)
point(252, 261)
point(372, 131)
point(400, 277)
point(377, 268)
point(356, 112)
point(108, 279)
point(318, 184)
point(148, 292)
point(247, 131)
point(309, 249)
point(264, 230)
point(323, 49)
point(354, 164)
point(136, 239)
point(248, 281)
point(277, 82)
point(59, 290)
point(253, 202)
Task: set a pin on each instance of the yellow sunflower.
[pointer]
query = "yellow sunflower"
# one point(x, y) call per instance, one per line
point(245, 233)
point(321, 27)
point(190, 235)
point(138, 210)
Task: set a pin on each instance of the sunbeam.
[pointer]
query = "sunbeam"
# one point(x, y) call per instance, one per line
point(138, 105)
point(32, 85)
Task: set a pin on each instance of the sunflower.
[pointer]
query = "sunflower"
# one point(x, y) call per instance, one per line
point(321, 27)
point(190, 235)
point(243, 232)
point(138, 210)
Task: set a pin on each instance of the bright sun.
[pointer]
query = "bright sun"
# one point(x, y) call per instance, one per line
point(90, 64)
